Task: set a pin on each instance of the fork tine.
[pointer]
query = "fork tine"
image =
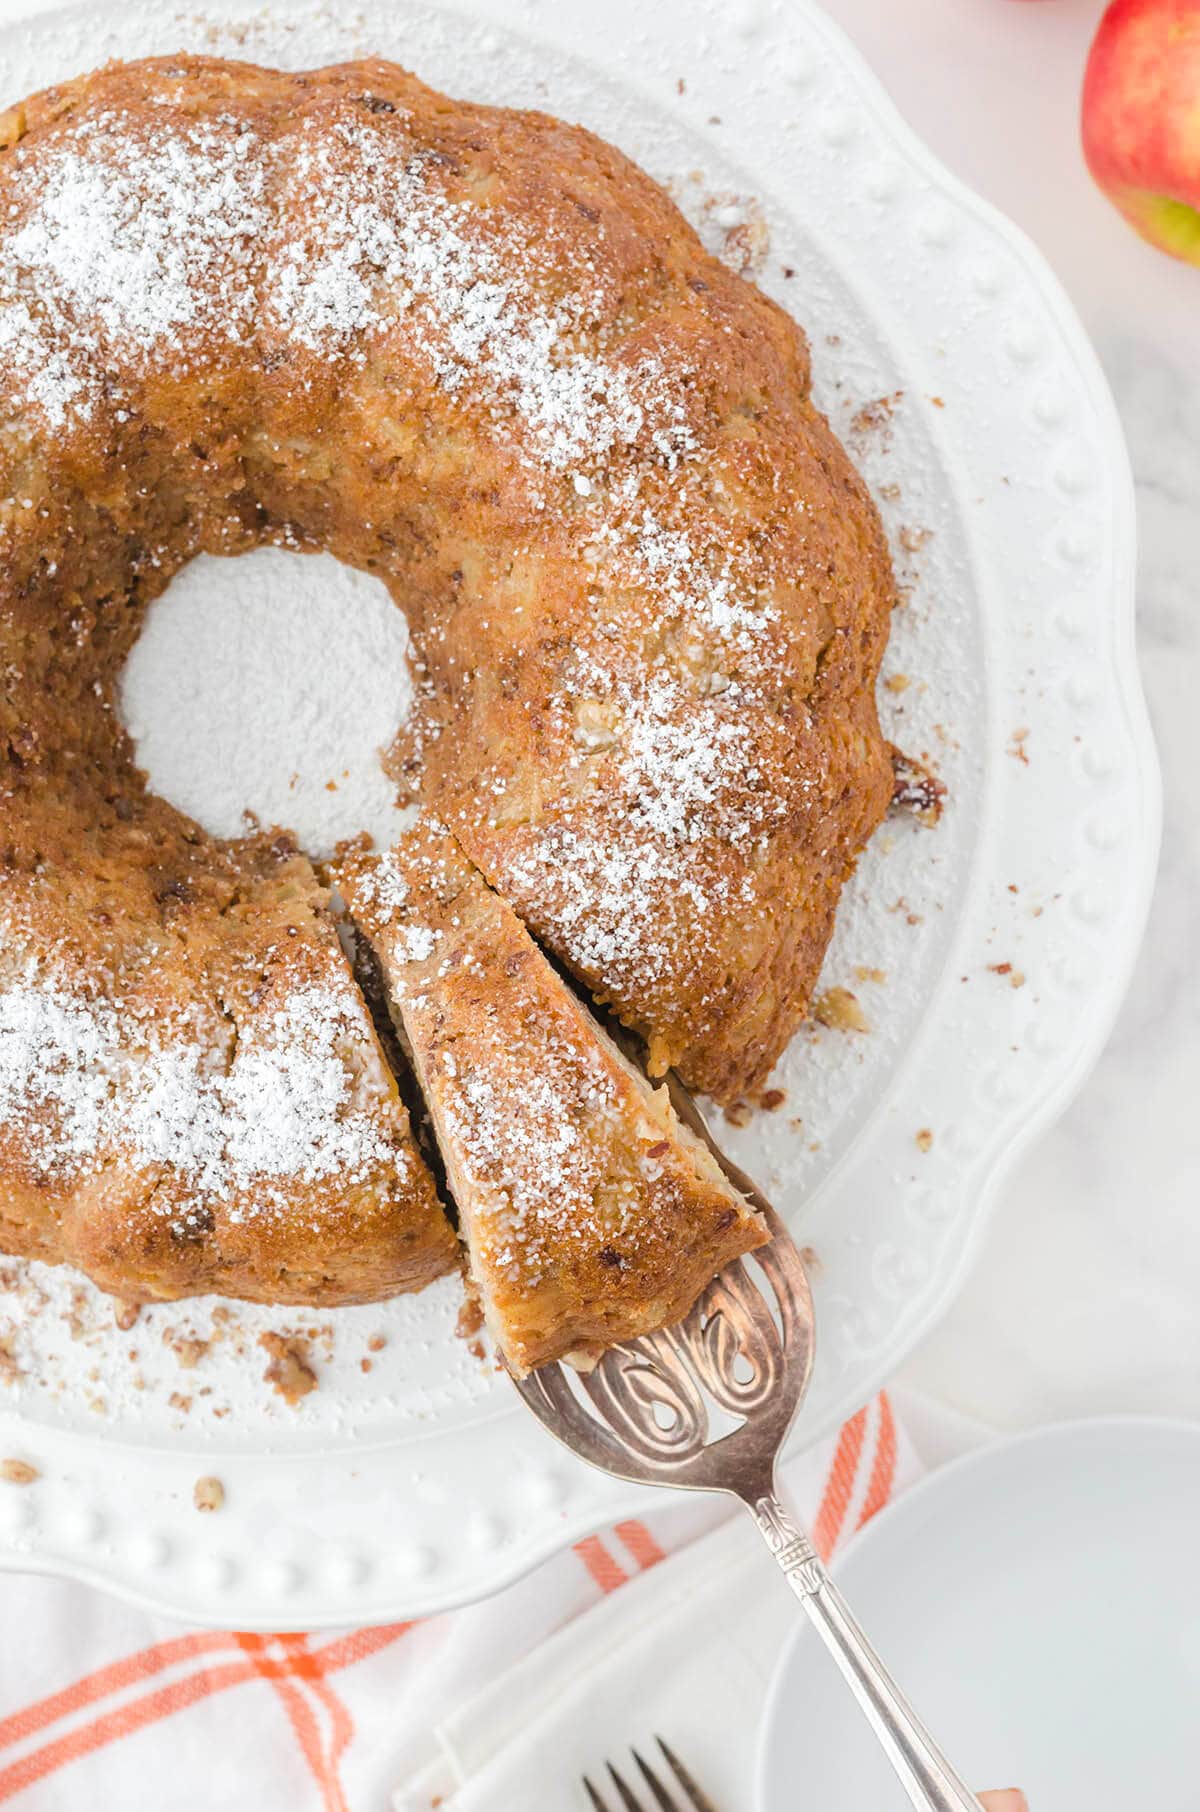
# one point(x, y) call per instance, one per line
point(627, 1799)
point(598, 1804)
point(662, 1798)
point(699, 1800)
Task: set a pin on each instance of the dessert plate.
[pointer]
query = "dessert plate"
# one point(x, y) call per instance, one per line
point(1018, 1601)
point(986, 957)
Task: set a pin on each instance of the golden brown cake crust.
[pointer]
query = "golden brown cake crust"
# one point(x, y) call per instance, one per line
point(479, 353)
point(195, 1098)
point(589, 1214)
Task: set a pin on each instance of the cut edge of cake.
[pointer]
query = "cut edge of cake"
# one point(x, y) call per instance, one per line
point(590, 1213)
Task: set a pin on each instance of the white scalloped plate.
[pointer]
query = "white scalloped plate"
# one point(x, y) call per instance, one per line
point(419, 1483)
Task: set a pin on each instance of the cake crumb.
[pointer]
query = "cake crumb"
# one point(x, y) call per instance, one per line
point(125, 1314)
point(18, 1472)
point(839, 1009)
point(875, 416)
point(897, 682)
point(470, 1317)
point(75, 1315)
point(208, 1494)
point(739, 1113)
point(376, 1343)
point(916, 788)
point(864, 972)
point(289, 1370)
point(189, 1349)
point(747, 246)
point(772, 1099)
point(924, 1139)
point(10, 1368)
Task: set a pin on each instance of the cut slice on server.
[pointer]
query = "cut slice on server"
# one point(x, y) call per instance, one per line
point(590, 1214)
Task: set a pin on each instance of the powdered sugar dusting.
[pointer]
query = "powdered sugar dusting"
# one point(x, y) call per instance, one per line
point(675, 859)
point(143, 249)
point(166, 241)
point(383, 888)
point(105, 230)
point(81, 1082)
point(626, 908)
point(140, 244)
point(383, 896)
point(673, 744)
point(547, 1145)
point(384, 245)
point(54, 1054)
point(30, 352)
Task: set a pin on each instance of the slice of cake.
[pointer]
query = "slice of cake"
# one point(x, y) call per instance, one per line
point(590, 1214)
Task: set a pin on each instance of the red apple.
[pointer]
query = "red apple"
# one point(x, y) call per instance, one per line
point(1141, 119)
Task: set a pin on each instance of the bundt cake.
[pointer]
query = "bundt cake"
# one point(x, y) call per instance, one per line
point(590, 1214)
point(480, 354)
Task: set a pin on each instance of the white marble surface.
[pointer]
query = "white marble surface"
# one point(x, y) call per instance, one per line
point(1086, 1293)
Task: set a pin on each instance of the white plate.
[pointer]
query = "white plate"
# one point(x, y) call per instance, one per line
point(1040, 1604)
point(420, 1483)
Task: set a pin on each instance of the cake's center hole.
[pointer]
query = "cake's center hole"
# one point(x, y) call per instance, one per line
point(271, 684)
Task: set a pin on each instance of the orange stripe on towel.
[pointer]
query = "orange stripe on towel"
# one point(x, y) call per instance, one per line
point(121, 1723)
point(883, 1471)
point(309, 1667)
point(360, 1645)
point(115, 1677)
point(607, 1572)
point(839, 1487)
point(283, 1677)
point(256, 1662)
point(640, 1544)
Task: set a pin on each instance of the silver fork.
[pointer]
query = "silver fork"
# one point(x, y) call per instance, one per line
point(666, 1798)
point(706, 1406)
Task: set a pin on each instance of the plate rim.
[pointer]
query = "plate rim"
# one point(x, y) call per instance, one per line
point(1054, 1101)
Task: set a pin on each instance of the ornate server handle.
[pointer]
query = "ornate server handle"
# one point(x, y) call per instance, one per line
point(927, 1777)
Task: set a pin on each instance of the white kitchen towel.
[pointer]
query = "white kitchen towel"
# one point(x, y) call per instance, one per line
point(670, 1624)
point(685, 1650)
